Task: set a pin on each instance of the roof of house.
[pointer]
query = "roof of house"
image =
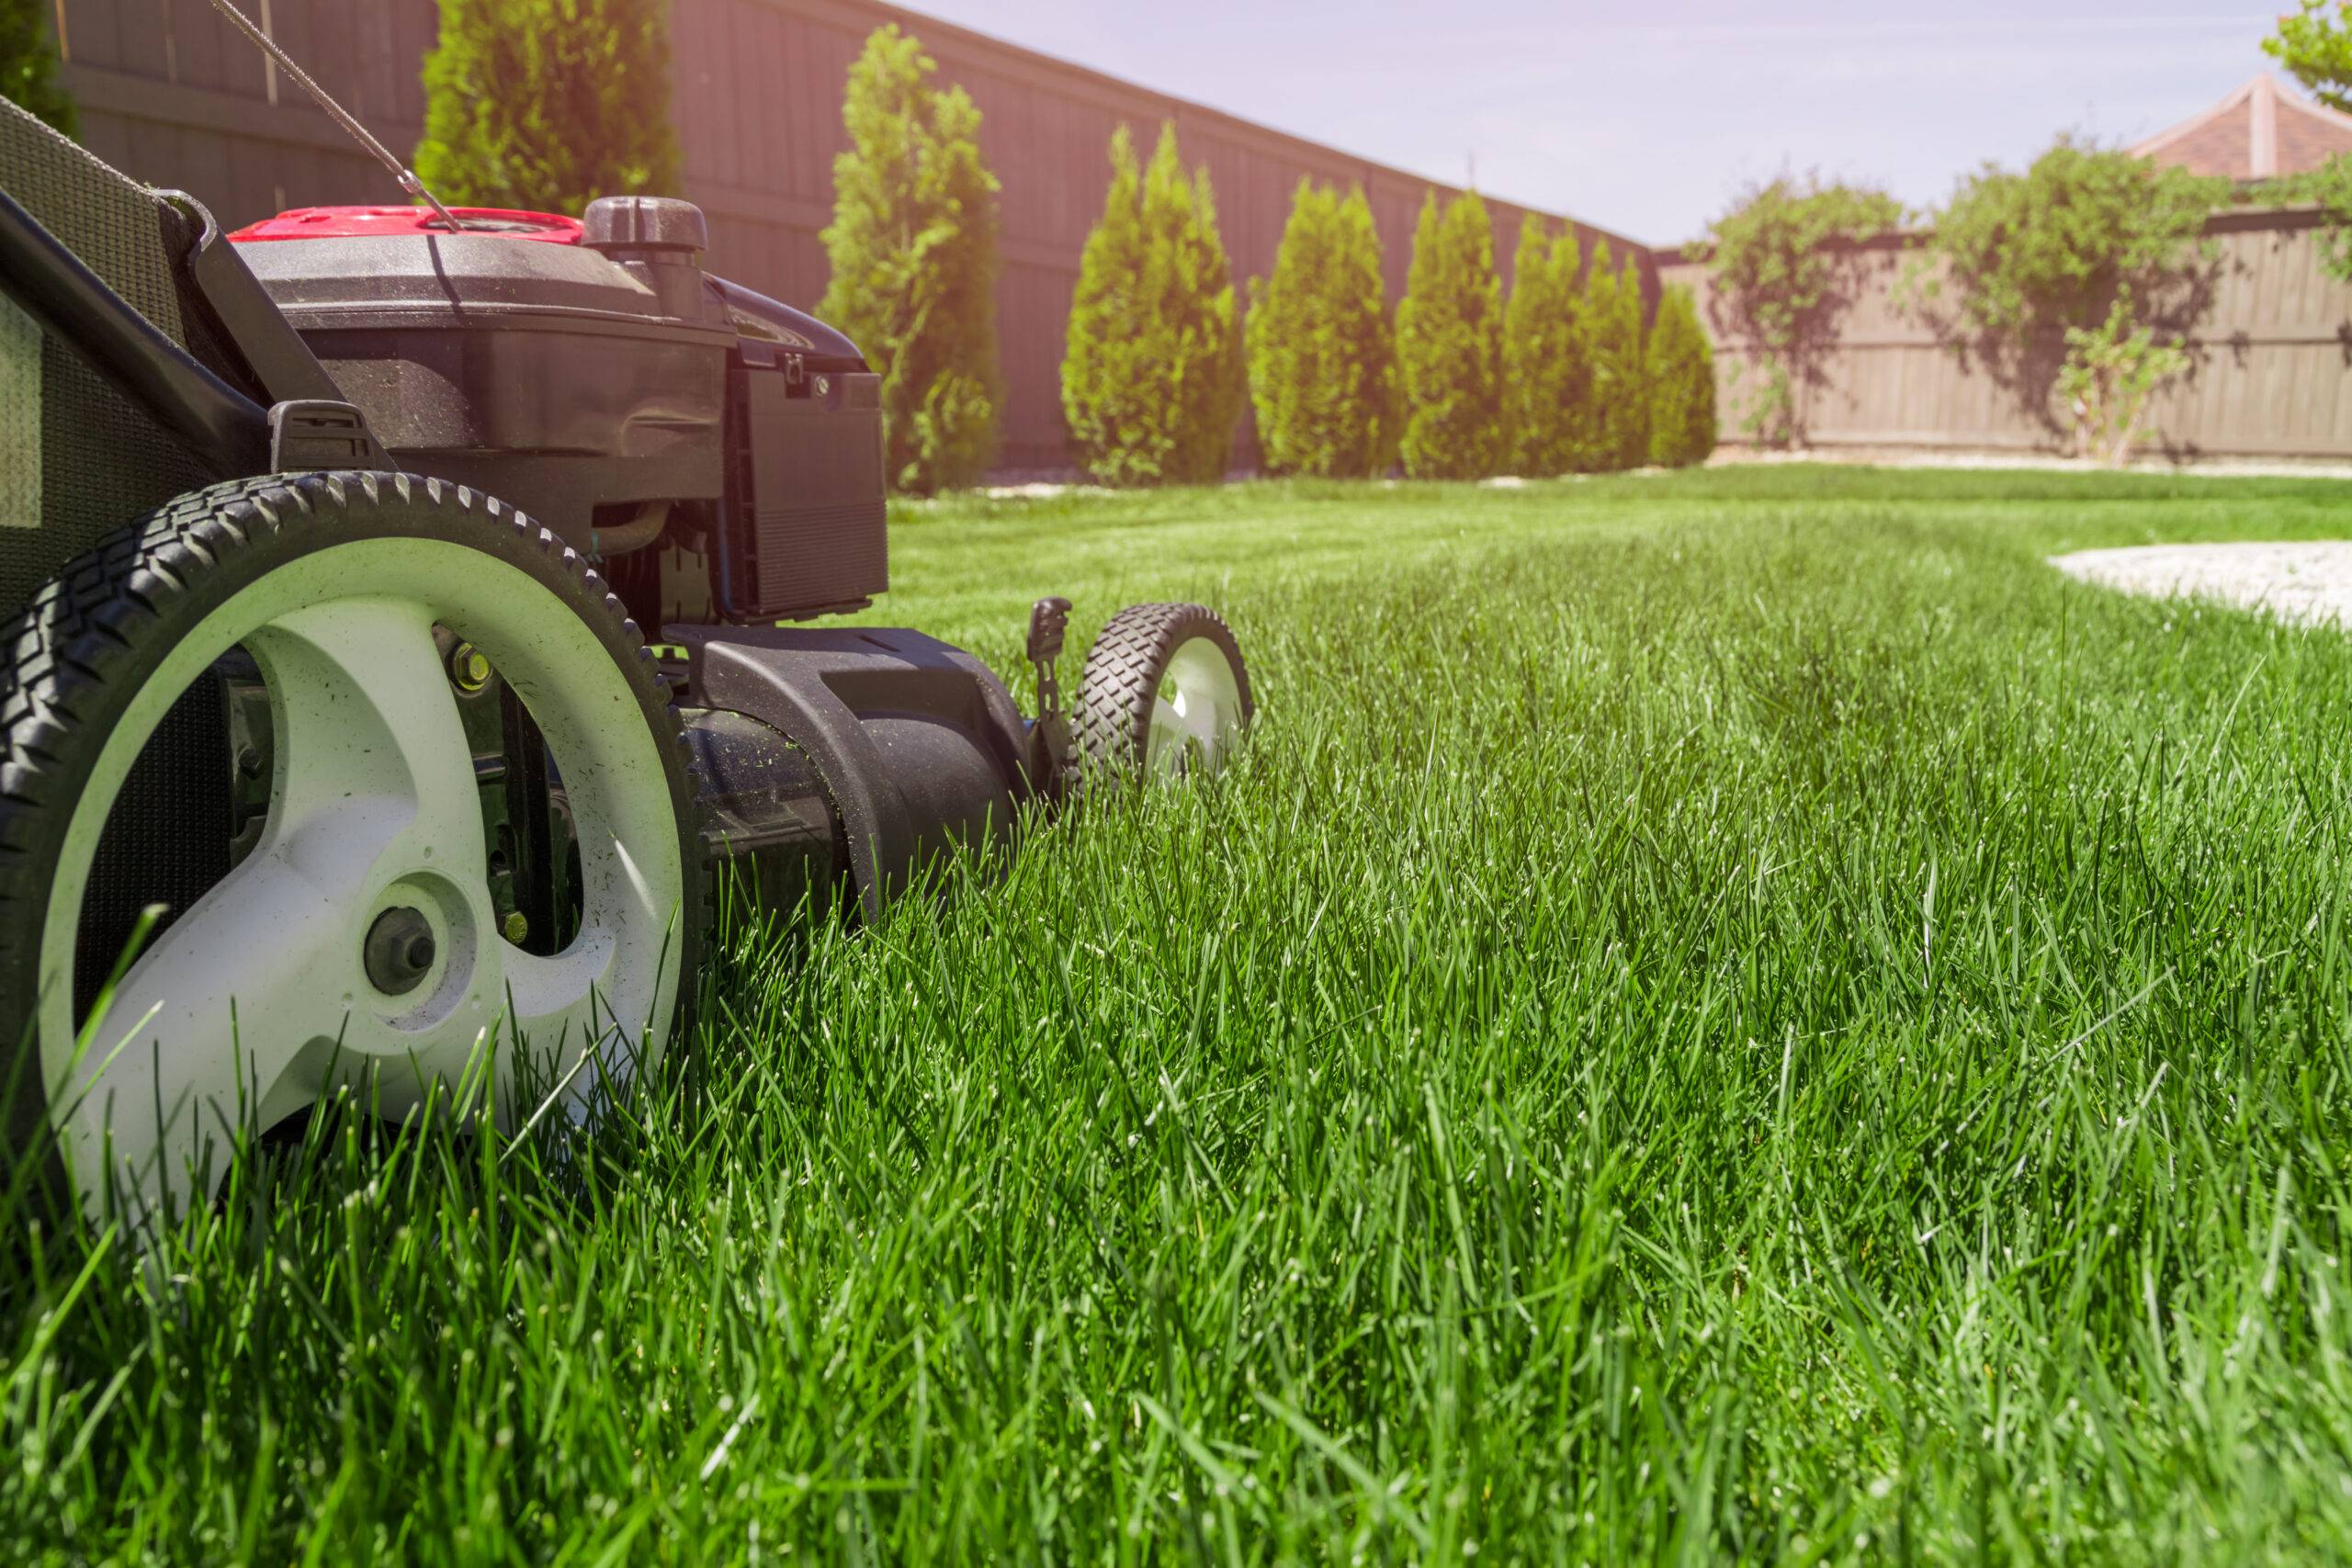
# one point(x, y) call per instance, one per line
point(2259, 131)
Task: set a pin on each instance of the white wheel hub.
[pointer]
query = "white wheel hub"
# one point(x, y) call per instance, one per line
point(1196, 712)
point(259, 998)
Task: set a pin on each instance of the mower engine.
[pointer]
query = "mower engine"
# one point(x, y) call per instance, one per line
point(728, 444)
point(718, 454)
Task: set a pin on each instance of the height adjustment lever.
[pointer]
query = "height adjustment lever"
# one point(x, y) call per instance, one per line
point(1048, 620)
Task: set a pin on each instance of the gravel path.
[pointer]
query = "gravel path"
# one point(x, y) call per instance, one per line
point(2306, 582)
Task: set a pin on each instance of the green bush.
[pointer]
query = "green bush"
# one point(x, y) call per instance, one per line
point(913, 248)
point(2032, 255)
point(1152, 377)
point(1322, 352)
point(28, 64)
point(2111, 370)
point(1682, 383)
point(1547, 367)
point(547, 104)
point(1785, 272)
point(1448, 345)
point(1619, 431)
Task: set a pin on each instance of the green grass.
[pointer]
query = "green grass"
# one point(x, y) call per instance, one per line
point(1733, 1015)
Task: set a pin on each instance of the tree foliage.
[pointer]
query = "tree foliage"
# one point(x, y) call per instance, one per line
point(1448, 345)
point(1201, 311)
point(1681, 383)
point(547, 104)
point(2328, 187)
point(1152, 376)
point(1322, 352)
point(913, 249)
point(1547, 366)
point(1112, 418)
point(1785, 269)
point(28, 64)
point(2033, 254)
point(1618, 433)
point(2317, 49)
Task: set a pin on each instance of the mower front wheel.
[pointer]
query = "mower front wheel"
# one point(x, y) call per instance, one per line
point(1165, 692)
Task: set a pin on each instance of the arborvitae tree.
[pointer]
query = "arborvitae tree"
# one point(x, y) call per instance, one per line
point(1682, 383)
point(913, 250)
point(28, 63)
point(1204, 310)
point(1110, 410)
point(1613, 315)
point(1322, 357)
point(547, 104)
point(1547, 370)
point(1448, 345)
point(1152, 375)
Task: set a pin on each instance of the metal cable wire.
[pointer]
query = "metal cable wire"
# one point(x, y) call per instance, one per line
point(336, 112)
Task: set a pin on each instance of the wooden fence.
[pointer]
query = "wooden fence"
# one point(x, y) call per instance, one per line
point(170, 93)
point(2271, 373)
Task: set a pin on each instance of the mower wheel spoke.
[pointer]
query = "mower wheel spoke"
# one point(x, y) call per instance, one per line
point(370, 751)
point(251, 974)
point(1180, 725)
point(553, 997)
point(1169, 731)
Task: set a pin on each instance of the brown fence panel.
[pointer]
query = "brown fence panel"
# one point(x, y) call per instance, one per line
point(172, 96)
point(2270, 360)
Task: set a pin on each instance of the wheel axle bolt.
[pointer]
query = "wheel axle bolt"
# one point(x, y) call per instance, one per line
point(518, 927)
point(469, 667)
point(399, 951)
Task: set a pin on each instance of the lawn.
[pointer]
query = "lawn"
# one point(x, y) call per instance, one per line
point(1729, 1015)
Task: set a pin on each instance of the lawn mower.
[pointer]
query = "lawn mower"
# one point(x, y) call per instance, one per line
point(397, 654)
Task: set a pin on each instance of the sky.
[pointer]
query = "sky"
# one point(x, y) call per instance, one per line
point(1649, 117)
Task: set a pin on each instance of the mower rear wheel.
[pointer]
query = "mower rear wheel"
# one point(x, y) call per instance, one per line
point(355, 941)
point(1165, 692)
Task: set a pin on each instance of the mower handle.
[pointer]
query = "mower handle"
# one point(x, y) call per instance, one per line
point(221, 428)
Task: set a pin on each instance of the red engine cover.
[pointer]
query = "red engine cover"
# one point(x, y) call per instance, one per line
point(359, 222)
